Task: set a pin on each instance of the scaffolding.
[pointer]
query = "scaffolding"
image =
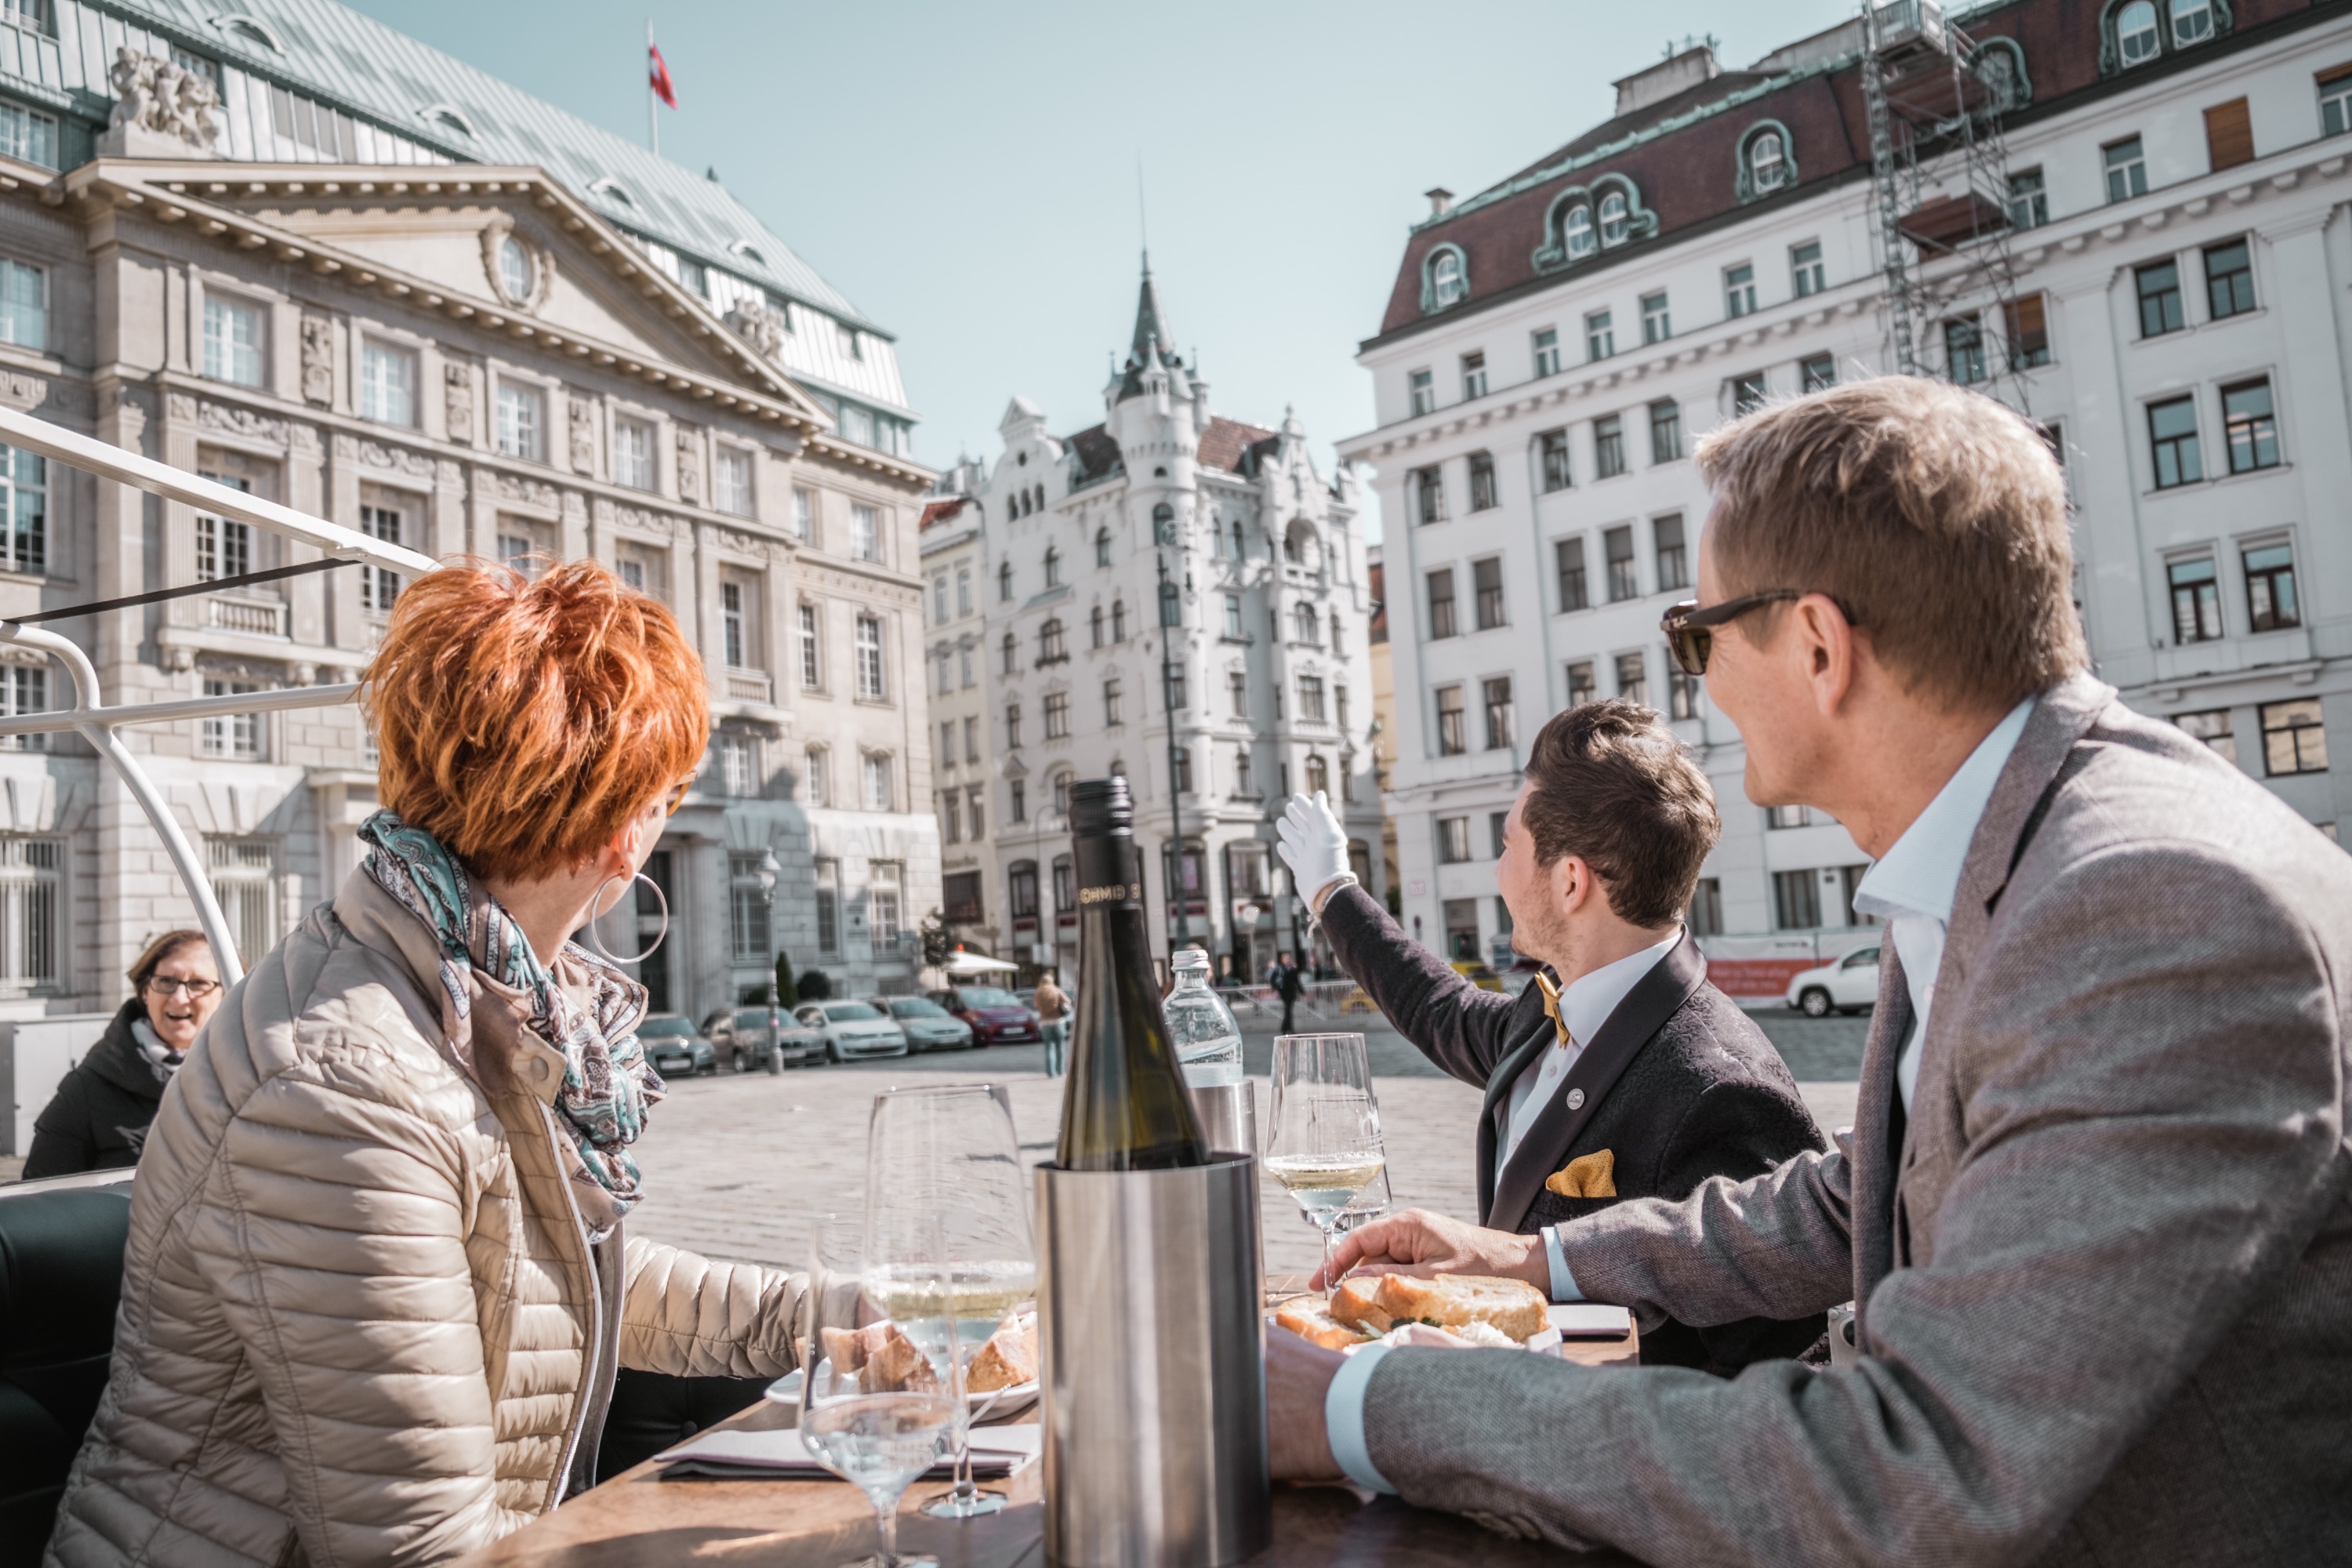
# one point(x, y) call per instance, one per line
point(1939, 181)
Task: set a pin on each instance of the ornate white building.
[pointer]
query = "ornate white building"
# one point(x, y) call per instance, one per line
point(1170, 595)
point(317, 260)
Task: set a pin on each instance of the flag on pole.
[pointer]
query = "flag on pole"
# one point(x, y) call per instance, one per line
point(658, 77)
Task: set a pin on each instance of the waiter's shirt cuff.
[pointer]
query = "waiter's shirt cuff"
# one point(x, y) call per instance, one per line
point(1343, 1418)
point(1563, 1283)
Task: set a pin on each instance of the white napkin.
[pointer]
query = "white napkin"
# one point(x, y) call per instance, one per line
point(781, 1454)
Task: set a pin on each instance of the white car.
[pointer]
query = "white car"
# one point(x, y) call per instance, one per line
point(1846, 986)
point(853, 1029)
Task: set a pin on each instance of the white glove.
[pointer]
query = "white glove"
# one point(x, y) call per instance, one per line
point(1315, 847)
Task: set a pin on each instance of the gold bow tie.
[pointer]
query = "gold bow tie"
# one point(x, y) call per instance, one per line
point(1551, 1007)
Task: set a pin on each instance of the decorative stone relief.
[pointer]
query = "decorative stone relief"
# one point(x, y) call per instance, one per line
point(234, 421)
point(317, 360)
point(31, 391)
point(583, 436)
point(179, 405)
point(530, 493)
point(376, 455)
point(758, 326)
point(689, 468)
point(161, 110)
point(449, 474)
point(659, 525)
point(457, 390)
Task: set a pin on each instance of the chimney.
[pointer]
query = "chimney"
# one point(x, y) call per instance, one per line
point(1441, 201)
point(1681, 70)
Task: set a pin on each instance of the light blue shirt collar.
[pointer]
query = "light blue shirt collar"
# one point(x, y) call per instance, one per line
point(1920, 872)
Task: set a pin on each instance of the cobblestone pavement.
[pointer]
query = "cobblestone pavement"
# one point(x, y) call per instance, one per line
point(735, 1166)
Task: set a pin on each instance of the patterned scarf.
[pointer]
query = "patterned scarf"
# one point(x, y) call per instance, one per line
point(608, 1085)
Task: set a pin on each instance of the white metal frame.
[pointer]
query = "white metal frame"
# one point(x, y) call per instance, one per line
point(96, 722)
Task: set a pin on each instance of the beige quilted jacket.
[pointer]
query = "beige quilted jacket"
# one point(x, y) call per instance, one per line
point(361, 1322)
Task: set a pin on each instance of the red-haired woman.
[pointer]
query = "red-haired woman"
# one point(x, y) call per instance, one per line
point(376, 1288)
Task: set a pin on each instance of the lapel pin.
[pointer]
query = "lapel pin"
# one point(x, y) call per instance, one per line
point(1576, 1100)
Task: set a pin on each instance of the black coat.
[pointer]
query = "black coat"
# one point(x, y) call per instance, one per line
point(100, 1115)
point(1679, 1085)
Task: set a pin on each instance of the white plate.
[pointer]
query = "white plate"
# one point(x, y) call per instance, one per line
point(995, 1406)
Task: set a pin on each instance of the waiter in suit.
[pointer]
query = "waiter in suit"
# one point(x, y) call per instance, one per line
point(1619, 1072)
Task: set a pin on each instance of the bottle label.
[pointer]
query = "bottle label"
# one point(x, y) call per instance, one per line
point(1109, 873)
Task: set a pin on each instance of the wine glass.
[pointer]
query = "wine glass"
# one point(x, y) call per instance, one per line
point(949, 1157)
point(873, 1410)
point(1325, 1148)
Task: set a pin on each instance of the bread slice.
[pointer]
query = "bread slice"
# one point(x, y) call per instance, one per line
point(1009, 1357)
point(1312, 1321)
point(1512, 1306)
point(884, 1359)
point(1356, 1302)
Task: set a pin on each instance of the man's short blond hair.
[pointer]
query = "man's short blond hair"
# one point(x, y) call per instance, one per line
point(1935, 516)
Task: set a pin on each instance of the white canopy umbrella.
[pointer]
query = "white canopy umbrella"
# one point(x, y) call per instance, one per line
point(969, 964)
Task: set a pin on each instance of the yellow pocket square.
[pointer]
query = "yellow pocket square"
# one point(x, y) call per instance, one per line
point(1586, 1177)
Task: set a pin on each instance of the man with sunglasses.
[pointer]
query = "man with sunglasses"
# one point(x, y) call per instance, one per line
point(2095, 1211)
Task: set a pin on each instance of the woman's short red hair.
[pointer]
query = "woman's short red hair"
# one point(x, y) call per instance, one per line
point(522, 722)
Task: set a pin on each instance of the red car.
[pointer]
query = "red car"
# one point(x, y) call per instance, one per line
point(996, 1015)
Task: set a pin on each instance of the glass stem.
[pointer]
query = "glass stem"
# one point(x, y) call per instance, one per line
point(886, 1521)
point(966, 1489)
point(1330, 1228)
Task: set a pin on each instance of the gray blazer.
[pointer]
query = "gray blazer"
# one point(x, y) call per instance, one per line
point(2104, 1272)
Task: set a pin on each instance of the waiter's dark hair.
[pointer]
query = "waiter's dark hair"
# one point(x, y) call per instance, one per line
point(1611, 785)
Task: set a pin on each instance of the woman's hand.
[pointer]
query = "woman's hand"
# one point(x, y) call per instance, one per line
point(1419, 1243)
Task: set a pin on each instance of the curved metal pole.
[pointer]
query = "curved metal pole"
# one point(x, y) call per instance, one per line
point(143, 788)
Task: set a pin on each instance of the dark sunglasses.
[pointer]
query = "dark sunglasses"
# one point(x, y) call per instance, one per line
point(1690, 631)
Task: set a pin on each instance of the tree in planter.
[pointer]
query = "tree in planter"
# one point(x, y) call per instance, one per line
point(788, 995)
point(938, 946)
point(815, 986)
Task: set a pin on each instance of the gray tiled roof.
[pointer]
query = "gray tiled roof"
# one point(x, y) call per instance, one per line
point(378, 74)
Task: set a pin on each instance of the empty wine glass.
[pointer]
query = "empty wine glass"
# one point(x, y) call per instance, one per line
point(1325, 1148)
point(947, 1157)
point(873, 1409)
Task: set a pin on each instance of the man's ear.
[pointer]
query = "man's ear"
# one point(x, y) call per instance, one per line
point(1572, 883)
point(1825, 641)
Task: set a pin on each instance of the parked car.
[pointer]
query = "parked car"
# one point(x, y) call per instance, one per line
point(996, 1015)
point(1846, 986)
point(928, 1025)
point(1480, 974)
point(853, 1029)
point(739, 1034)
point(676, 1047)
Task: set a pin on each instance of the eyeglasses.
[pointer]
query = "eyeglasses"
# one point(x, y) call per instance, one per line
point(1690, 633)
point(198, 990)
point(676, 797)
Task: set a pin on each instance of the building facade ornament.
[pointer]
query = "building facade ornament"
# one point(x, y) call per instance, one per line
point(583, 436)
point(231, 420)
point(318, 360)
point(458, 394)
point(530, 492)
point(760, 326)
point(689, 467)
point(161, 108)
point(376, 455)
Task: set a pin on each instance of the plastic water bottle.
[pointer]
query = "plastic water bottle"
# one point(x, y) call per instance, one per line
point(1208, 1042)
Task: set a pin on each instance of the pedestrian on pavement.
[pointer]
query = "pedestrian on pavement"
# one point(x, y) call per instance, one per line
point(1052, 1021)
point(1287, 984)
point(99, 1117)
point(2095, 1209)
point(377, 1285)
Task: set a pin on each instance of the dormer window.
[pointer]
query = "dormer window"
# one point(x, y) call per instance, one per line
point(247, 29)
point(612, 190)
point(2192, 22)
point(1768, 163)
point(2137, 40)
point(1613, 228)
point(1446, 280)
point(747, 251)
point(447, 117)
point(1576, 230)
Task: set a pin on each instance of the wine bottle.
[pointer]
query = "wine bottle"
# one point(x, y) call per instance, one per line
point(1124, 1107)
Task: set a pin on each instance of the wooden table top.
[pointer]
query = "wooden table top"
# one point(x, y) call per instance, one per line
point(637, 1518)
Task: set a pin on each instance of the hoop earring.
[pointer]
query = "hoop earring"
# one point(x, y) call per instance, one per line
point(597, 942)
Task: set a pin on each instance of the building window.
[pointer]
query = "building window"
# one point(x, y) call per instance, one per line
point(810, 672)
point(1486, 579)
point(1806, 270)
point(24, 689)
point(2192, 22)
point(747, 910)
point(1012, 726)
point(865, 532)
point(1424, 392)
point(1576, 231)
point(24, 305)
point(870, 658)
point(1004, 582)
point(1496, 696)
point(1112, 714)
point(243, 880)
point(734, 634)
point(1609, 446)
point(2214, 729)
point(2136, 38)
point(828, 906)
point(1441, 604)
point(1171, 604)
point(28, 136)
point(1181, 759)
point(1614, 227)
point(1175, 689)
point(387, 383)
point(1706, 914)
point(1768, 163)
point(1568, 556)
point(1681, 692)
point(1453, 840)
point(2196, 600)
point(1656, 328)
point(1617, 550)
point(24, 511)
point(1747, 392)
point(1796, 901)
point(1599, 335)
point(1429, 494)
point(1665, 431)
point(1461, 916)
point(1051, 649)
point(1057, 715)
point(232, 340)
point(2029, 202)
point(31, 904)
point(2336, 101)
point(804, 514)
point(1583, 687)
point(1447, 286)
point(876, 772)
point(1118, 620)
point(1305, 626)
point(965, 675)
point(2172, 429)
point(1234, 618)
point(1481, 482)
point(2251, 425)
point(2269, 588)
point(734, 486)
point(2295, 737)
point(1632, 682)
point(1547, 346)
point(378, 585)
point(816, 776)
point(975, 813)
point(2126, 169)
point(2229, 280)
point(1740, 290)
point(1963, 357)
point(1452, 739)
point(521, 420)
point(633, 455)
point(1473, 376)
point(1818, 373)
point(2026, 323)
point(234, 736)
point(517, 551)
point(1310, 700)
point(2159, 298)
point(1674, 558)
point(223, 549)
point(1553, 445)
point(1237, 689)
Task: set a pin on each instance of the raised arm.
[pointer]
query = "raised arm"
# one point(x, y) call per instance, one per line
point(1461, 1028)
point(689, 1317)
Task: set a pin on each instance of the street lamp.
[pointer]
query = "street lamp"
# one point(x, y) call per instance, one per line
point(767, 873)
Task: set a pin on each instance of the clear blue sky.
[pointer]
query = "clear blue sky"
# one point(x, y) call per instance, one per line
point(966, 172)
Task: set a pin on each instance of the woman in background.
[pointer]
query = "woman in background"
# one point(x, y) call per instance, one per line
point(99, 1117)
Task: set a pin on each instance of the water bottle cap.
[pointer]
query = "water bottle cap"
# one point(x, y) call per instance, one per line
point(1189, 958)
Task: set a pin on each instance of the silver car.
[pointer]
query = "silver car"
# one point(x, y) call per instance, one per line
point(853, 1029)
point(928, 1027)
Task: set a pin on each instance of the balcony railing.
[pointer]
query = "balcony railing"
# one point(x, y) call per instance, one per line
point(750, 685)
point(257, 617)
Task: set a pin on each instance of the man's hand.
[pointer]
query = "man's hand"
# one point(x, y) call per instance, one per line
point(1315, 847)
point(1419, 1243)
point(1298, 1377)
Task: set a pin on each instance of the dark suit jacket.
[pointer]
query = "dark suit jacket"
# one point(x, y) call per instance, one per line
point(1678, 1084)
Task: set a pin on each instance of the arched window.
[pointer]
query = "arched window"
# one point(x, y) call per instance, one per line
point(1053, 567)
point(1291, 548)
point(2192, 22)
point(1061, 804)
point(1021, 887)
point(1118, 620)
point(1096, 618)
point(1318, 774)
point(1102, 546)
point(1241, 551)
point(516, 278)
point(1309, 625)
point(1576, 231)
point(1163, 524)
point(2136, 38)
point(1012, 653)
point(1445, 278)
point(1049, 643)
point(1005, 580)
point(1013, 728)
point(1171, 606)
point(1768, 163)
point(1613, 218)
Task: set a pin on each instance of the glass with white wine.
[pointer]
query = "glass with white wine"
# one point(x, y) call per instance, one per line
point(1325, 1147)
